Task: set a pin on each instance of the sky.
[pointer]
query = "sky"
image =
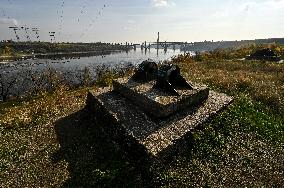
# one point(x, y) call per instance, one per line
point(135, 21)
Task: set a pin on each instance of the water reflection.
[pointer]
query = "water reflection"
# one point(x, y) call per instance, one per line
point(113, 58)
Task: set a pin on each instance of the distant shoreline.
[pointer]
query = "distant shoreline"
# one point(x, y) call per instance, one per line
point(59, 55)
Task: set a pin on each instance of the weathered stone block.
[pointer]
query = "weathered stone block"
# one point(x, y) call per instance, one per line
point(156, 102)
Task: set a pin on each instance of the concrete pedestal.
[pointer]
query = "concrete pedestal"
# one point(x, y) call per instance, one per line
point(132, 127)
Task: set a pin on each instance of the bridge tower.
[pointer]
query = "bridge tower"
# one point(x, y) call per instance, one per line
point(158, 41)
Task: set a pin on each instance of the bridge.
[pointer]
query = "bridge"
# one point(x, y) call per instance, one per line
point(158, 45)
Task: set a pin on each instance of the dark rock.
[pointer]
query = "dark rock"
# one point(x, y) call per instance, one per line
point(264, 54)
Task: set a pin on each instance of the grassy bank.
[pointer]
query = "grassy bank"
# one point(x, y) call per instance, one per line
point(13, 56)
point(51, 141)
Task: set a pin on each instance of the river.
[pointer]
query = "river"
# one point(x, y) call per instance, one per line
point(72, 69)
point(113, 59)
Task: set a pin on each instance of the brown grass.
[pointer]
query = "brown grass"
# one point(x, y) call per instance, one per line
point(262, 81)
point(49, 141)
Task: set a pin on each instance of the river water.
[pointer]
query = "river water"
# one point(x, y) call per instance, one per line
point(72, 69)
point(74, 64)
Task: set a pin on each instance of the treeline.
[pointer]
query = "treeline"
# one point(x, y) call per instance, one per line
point(213, 45)
point(12, 48)
point(238, 53)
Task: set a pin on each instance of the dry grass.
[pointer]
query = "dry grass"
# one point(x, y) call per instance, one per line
point(44, 109)
point(51, 141)
point(28, 139)
point(262, 81)
point(243, 147)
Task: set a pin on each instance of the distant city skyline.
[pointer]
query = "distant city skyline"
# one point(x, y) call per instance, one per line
point(140, 20)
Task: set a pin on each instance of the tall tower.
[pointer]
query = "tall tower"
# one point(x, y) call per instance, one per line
point(158, 40)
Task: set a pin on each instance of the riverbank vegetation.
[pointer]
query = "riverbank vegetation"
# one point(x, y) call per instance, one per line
point(238, 52)
point(28, 82)
point(51, 140)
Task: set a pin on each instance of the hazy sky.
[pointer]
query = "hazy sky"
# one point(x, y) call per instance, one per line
point(140, 20)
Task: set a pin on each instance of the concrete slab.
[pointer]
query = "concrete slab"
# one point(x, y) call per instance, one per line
point(133, 128)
